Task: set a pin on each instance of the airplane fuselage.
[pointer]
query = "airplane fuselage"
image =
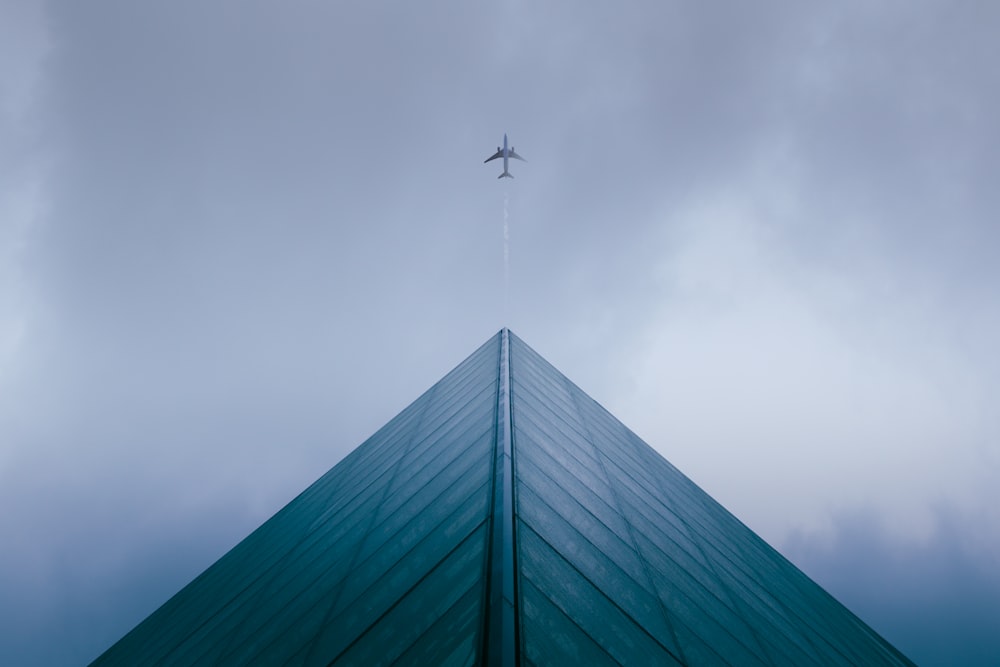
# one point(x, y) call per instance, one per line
point(506, 157)
point(505, 153)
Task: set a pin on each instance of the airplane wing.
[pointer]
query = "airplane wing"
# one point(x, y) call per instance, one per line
point(495, 156)
point(514, 155)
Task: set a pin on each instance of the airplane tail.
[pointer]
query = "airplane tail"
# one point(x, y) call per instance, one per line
point(506, 174)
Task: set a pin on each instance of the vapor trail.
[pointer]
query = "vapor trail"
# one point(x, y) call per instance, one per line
point(506, 258)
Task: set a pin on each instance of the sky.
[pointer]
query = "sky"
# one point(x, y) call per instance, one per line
point(238, 237)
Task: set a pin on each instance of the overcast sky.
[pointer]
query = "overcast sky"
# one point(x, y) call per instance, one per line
point(238, 237)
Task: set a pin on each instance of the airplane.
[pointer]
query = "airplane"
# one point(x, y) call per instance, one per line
point(505, 153)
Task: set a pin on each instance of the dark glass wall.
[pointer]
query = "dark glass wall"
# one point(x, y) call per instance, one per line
point(623, 559)
point(381, 560)
point(506, 518)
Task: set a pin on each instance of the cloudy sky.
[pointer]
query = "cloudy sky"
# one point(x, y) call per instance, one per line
point(238, 237)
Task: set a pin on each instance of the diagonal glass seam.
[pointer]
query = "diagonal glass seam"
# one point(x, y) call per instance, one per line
point(337, 613)
point(578, 567)
point(267, 576)
point(732, 597)
point(584, 539)
point(626, 614)
point(404, 595)
point(500, 647)
point(528, 583)
point(780, 607)
point(738, 606)
point(735, 605)
point(623, 505)
point(333, 611)
point(628, 524)
point(357, 550)
point(629, 463)
point(401, 659)
point(586, 422)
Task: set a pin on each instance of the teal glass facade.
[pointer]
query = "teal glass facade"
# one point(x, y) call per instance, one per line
point(624, 560)
point(503, 518)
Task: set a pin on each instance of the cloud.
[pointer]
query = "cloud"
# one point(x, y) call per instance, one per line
point(234, 241)
point(23, 47)
point(945, 601)
point(830, 386)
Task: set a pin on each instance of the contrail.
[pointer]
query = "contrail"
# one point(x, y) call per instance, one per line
point(506, 258)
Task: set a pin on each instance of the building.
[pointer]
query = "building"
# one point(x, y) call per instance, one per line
point(503, 518)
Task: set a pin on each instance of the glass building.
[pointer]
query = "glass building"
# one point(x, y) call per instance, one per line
point(503, 518)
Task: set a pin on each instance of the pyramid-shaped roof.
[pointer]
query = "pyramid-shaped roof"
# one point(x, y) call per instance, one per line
point(503, 518)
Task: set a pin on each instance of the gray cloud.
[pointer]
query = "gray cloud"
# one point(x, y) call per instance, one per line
point(235, 240)
point(946, 604)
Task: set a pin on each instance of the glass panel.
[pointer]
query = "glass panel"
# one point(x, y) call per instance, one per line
point(630, 524)
point(550, 637)
point(564, 454)
point(454, 640)
point(606, 623)
point(401, 625)
point(540, 472)
point(449, 448)
point(448, 529)
point(393, 497)
point(608, 565)
point(622, 558)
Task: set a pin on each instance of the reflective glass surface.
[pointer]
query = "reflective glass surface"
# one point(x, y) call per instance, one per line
point(381, 560)
point(624, 559)
point(406, 552)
